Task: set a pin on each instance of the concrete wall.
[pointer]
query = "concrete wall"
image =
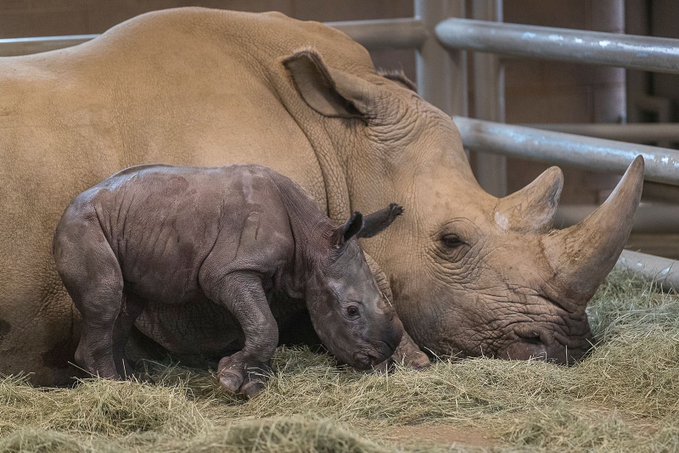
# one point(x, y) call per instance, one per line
point(662, 21)
point(60, 17)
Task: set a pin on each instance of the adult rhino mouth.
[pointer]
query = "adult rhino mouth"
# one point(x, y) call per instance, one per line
point(549, 346)
point(534, 350)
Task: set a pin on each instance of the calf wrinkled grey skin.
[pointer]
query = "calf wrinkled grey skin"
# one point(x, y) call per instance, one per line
point(171, 239)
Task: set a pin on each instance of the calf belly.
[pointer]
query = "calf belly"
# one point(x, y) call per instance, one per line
point(197, 328)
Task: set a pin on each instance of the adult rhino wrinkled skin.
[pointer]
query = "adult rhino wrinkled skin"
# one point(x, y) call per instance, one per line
point(470, 274)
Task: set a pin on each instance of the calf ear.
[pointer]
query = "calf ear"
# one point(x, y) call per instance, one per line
point(328, 91)
point(345, 232)
point(378, 221)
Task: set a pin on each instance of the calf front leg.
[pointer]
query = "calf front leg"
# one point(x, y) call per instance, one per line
point(409, 354)
point(245, 372)
point(130, 310)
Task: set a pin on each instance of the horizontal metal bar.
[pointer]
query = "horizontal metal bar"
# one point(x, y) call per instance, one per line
point(631, 132)
point(663, 271)
point(547, 43)
point(662, 164)
point(649, 218)
point(23, 46)
point(664, 193)
point(406, 33)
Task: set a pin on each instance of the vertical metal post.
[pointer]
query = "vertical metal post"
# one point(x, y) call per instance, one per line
point(441, 74)
point(489, 102)
point(638, 82)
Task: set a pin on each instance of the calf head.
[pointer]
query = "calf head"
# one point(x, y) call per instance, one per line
point(351, 316)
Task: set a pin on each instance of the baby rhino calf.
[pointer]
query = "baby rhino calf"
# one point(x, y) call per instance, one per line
point(232, 236)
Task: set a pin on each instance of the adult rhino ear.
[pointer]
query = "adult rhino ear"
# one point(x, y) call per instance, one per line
point(398, 76)
point(380, 220)
point(330, 92)
point(345, 232)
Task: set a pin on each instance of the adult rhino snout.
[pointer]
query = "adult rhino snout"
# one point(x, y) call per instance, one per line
point(543, 344)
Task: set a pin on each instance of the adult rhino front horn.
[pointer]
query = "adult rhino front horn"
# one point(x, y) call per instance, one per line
point(470, 274)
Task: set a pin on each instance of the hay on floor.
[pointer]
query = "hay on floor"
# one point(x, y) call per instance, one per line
point(624, 396)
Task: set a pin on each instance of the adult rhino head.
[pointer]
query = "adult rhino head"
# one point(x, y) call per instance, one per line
point(471, 274)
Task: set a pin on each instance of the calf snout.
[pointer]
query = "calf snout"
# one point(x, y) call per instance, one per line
point(393, 335)
point(385, 343)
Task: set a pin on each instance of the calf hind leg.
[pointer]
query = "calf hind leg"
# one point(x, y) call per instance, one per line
point(92, 276)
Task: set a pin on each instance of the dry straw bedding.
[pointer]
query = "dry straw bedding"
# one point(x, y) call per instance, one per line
point(624, 397)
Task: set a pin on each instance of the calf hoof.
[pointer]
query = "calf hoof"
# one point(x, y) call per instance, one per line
point(408, 354)
point(418, 361)
point(231, 381)
point(240, 379)
point(415, 359)
point(253, 388)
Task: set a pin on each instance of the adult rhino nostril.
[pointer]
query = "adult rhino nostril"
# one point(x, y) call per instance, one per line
point(526, 350)
point(530, 343)
point(532, 335)
point(533, 339)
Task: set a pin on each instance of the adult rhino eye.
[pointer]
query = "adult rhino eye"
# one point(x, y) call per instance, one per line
point(352, 311)
point(452, 247)
point(451, 241)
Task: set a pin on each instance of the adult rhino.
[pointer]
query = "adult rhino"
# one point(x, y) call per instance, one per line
point(471, 274)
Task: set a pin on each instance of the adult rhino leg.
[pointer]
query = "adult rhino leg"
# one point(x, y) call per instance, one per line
point(39, 326)
point(94, 280)
point(246, 371)
point(38, 336)
point(407, 353)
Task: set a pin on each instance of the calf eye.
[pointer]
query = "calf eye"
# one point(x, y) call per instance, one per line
point(352, 311)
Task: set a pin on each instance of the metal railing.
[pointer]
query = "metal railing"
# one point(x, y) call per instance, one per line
point(651, 218)
point(407, 33)
point(662, 164)
point(441, 35)
point(548, 43)
point(663, 271)
point(628, 132)
point(23, 46)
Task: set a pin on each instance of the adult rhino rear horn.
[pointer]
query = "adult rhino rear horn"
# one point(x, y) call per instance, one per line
point(532, 208)
point(583, 254)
